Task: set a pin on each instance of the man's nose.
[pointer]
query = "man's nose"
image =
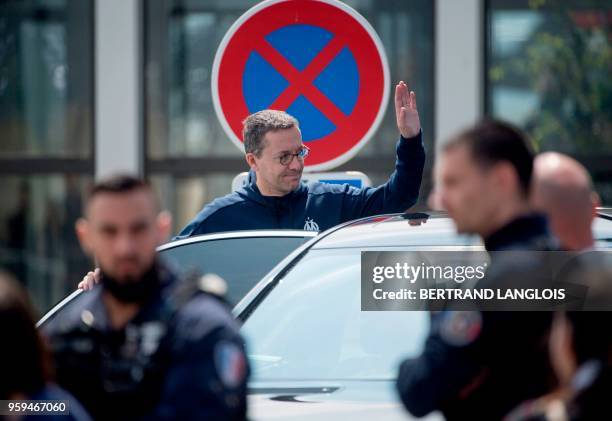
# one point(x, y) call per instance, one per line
point(125, 244)
point(296, 163)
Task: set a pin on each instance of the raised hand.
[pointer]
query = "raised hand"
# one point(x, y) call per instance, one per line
point(406, 111)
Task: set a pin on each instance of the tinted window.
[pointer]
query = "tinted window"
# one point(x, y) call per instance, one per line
point(240, 261)
point(311, 325)
point(46, 141)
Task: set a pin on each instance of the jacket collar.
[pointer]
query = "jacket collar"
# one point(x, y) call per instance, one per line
point(250, 191)
point(527, 230)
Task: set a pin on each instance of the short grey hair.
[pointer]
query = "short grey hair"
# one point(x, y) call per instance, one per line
point(258, 124)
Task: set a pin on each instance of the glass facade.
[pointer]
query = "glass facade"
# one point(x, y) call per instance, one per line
point(45, 79)
point(46, 147)
point(548, 70)
point(187, 151)
point(39, 245)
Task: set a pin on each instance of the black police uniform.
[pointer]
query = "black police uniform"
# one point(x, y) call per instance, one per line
point(480, 365)
point(181, 357)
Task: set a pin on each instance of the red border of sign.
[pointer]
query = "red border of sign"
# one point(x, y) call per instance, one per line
point(352, 131)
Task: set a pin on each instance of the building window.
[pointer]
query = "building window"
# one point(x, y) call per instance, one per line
point(46, 152)
point(190, 159)
point(548, 71)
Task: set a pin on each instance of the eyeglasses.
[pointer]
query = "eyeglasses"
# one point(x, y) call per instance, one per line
point(286, 158)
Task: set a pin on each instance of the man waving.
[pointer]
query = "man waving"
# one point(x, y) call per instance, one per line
point(274, 197)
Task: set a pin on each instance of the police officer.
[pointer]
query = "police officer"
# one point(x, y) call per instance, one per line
point(142, 343)
point(479, 365)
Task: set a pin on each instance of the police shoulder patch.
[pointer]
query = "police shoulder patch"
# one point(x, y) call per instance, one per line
point(230, 363)
point(460, 328)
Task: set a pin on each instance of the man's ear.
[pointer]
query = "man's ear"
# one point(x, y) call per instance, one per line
point(82, 229)
point(505, 177)
point(250, 159)
point(164, 226)
point(595, 203)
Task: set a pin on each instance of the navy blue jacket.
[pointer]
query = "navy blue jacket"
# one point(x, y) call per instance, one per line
point(314, 206)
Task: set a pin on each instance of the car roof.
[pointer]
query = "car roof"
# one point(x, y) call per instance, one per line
point(421, 229)
point(397, 230)
point(602, 226)
point(605, 211)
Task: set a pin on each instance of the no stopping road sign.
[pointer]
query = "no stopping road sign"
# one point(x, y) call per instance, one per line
point(319, 60)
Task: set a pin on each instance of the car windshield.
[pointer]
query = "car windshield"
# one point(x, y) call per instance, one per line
point(311, 326)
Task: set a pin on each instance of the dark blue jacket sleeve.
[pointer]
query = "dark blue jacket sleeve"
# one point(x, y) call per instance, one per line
point(399, 193)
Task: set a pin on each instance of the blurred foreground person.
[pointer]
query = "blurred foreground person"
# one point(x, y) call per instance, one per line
point(142, 343)
point(582, 358)
point(479, 365)
point(25, 364)
point(563, 190)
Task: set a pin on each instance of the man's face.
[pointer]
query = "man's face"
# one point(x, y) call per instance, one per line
point(273, 178)
point(122, 231)
point(465, 191)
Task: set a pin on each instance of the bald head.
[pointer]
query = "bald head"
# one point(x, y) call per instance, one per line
point(563, 190)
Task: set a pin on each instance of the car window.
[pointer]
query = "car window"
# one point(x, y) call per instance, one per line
point(241, 262)
point(311, 326)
